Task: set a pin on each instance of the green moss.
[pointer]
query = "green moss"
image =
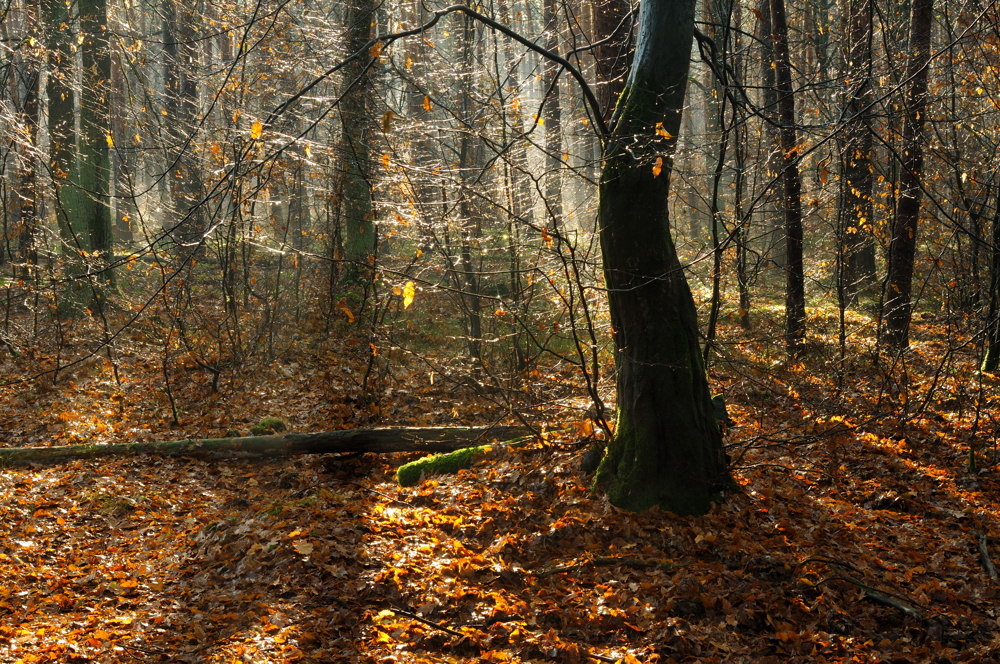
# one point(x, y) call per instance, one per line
point(439, 464)
point(268, 425)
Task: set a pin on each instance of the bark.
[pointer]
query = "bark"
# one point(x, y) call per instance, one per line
point(991, 359)
point(552, 113)
point(667, 447)
point(94, 147)
point(28, 192)
point(791, 185)
point(180, 45)
point(611, 56)
point(378, 441)
point(774, 252)
point(59, 89)
point(902, 248)
point(355, 144)
point(857, 245)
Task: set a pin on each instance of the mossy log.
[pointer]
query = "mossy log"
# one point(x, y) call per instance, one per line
point(377, 441)
point(439, 464)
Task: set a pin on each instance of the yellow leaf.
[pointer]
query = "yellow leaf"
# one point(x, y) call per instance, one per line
point(256, 130)
point(427, 103)
point(109, 140)
point(409, 289)
point(658, 167)
point(236, 115)
point(409, 62)
point(386, 161)
point(660, 131)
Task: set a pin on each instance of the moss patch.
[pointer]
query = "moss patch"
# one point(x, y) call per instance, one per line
point(439, 464)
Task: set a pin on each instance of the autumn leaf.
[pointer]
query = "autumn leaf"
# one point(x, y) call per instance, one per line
point(408, 292)
point(657, 167)
point(546, 237)
point(109, 140)
point(342, 306)
point(387, 122)
point(256, 130)
point(660, 131)
point(427, 103)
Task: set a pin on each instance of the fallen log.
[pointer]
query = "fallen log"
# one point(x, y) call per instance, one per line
point(378, 441)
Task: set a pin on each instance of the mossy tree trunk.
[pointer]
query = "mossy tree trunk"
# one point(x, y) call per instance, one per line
point(667, 447)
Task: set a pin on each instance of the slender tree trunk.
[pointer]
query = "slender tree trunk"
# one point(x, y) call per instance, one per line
point(791, 185)
point(774, 251)
point(29, 193)
point(470, 230)
point(95, 129)
point(991, 359)
point(360, 240)
point(181, 46)
point(667, 447)
point(902, 248)
point(856, 241)
point(552, 113)
point(60, 91)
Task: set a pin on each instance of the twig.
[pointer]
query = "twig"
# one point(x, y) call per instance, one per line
point(638, 563)
point(904, 604)
point(429, 623)
point(984, 555)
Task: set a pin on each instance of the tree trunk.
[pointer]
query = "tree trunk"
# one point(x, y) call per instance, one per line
point(902, 248)
point(667, 447)
point(774, 251)
point(855, 238)
point(379, 441)
point(611, 56)
point(360, 239)
point(180, 45)
point(552, 113)
point(991, 360)
point(59, 89)
point(95, 140)
point(791, 185)
point(28, 190)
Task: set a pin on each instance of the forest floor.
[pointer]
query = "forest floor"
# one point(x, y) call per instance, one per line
point(854, 536)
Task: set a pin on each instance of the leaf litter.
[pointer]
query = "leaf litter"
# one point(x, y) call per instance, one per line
point(855, 534)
